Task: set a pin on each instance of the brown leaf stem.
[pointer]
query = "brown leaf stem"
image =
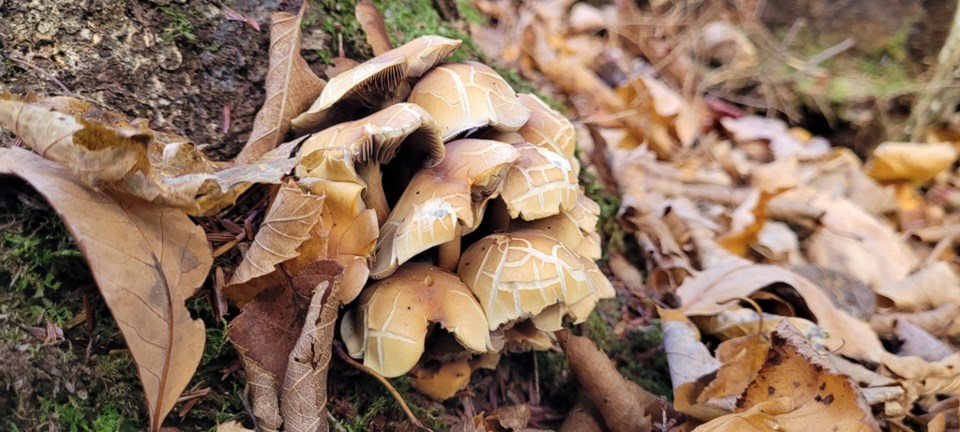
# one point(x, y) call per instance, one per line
point(393, 391)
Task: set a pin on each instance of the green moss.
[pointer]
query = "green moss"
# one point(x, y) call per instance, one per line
point(609, 227)
point(639, 354)
point(180, 27)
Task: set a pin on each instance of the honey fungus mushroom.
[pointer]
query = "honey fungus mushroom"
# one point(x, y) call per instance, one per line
point(393, 316)
point(370, 85)
point(443, 203)
point(353, 152)
point(519, 274)
point(465, 97)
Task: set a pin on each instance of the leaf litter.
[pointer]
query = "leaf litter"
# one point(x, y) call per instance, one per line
point(796, 286)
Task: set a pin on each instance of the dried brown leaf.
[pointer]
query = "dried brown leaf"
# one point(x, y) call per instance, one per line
point(691, 364)
point(303, 401)
point(147, 260)
point(290, 86)
point(823, 399)
point(713, 290)
point(286, 226)
point(278, 340)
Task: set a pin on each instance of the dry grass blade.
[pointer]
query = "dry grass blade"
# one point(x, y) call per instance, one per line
point(164, 257)
point(291, 87)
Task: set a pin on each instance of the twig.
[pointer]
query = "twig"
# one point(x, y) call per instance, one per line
point(830, 53)
point(249, 409)
point(27, 65)
point(393, 392)
point(336, 423)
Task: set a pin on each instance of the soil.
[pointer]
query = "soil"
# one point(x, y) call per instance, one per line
point(180, 64)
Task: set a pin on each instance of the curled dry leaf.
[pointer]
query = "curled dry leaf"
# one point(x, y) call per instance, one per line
point(936, 284)
point(147, 260)
point(809, 392)
point(691, 364)
point(625, 406)
point(290, 87)
point(940, 322)
point(715, 289)
point(583, 416)
point(286, 226)
point(917, 342)
point(917, 162)
point(279, 336)
point(103, 150)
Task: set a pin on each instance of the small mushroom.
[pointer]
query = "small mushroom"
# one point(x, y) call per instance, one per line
point(518, 274)
point(389, 327)
point(464, 97)
point(443, 203)
point(370, 85)
point(541, 184)
point(354, 151)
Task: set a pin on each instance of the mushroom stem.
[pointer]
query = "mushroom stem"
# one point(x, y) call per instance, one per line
point(374, 196)
point(449, 254)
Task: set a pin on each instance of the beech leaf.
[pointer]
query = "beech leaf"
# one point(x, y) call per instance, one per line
point(147, 260)
point(286, 226)
point(291, 87)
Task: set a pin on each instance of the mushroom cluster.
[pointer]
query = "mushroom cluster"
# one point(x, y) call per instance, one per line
point(460, 199)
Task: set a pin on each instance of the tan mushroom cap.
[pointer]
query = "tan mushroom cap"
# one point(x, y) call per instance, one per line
point(463, 97)
point(389, 327)
point(375, 81)
point(551, 319)
point(354, 151)
point(444, 202)
point(560, 226)
point(547, 127)
point(586, 213)
point(541, 184)
point(333, 153)
point(518, 274)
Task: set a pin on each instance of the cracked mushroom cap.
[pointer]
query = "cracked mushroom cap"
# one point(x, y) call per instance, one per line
point(547, 127)
point(541, 184)
point(370, 84)
point(444, 202)
point(334, 153)
point(551, 319)
point(389, 327)
point(518, 274)
point(464, 97)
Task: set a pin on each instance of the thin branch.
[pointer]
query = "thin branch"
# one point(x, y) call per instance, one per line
point(27, 65)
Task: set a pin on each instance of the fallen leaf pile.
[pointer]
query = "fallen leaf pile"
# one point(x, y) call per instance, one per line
point(432, 219)
point(810, 290)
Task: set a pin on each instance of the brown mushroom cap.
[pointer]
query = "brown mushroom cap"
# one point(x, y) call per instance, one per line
point(586, 213)
point(368, 85)
point(389, 327)
point(443, 202)
point(463, 97)
point(551, 319)
point(334, 153)
point(541, 184)
point(519, 274)
point(547, 127)
point(354, 151)
point(561, 227)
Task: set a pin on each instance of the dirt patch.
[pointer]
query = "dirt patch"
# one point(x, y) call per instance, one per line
point(178, 64)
